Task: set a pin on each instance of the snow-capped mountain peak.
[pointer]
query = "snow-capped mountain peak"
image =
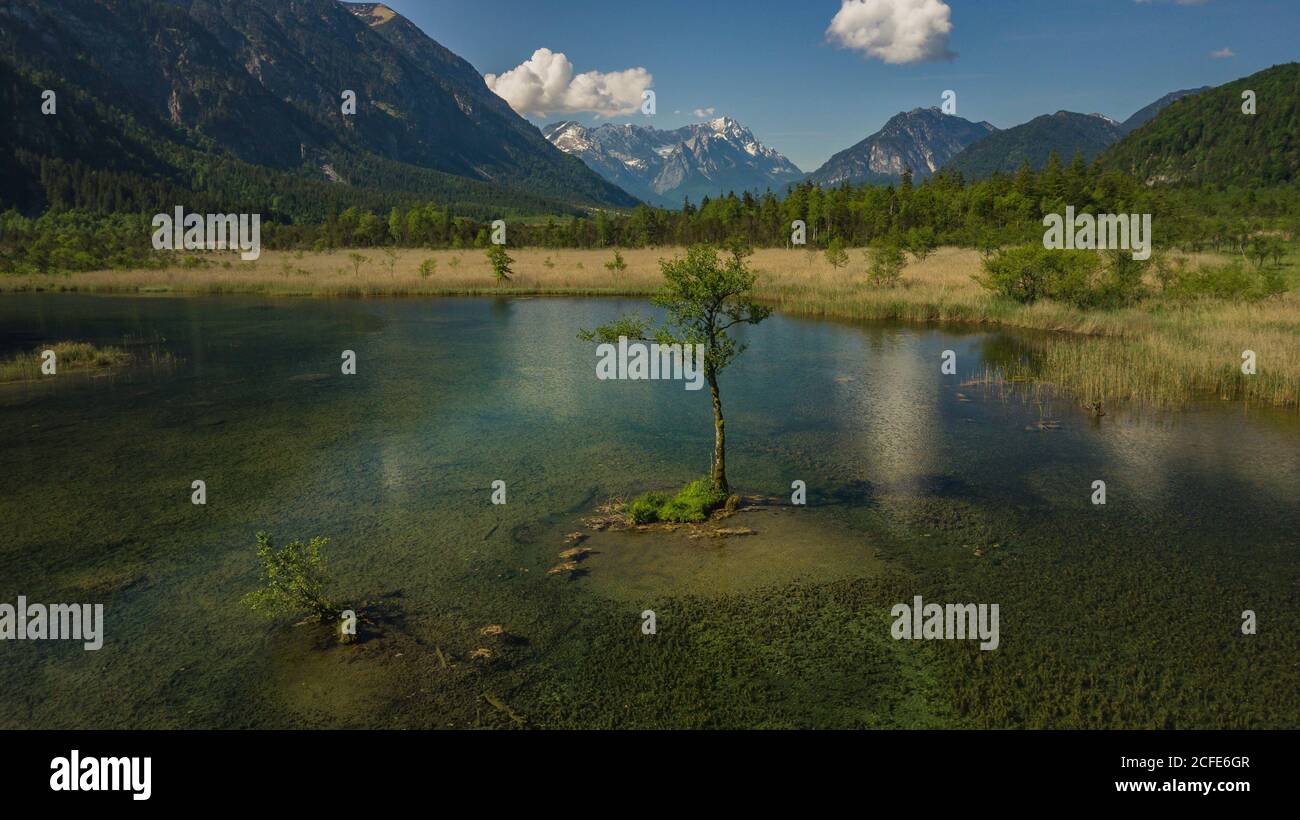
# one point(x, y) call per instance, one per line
point(662, 167)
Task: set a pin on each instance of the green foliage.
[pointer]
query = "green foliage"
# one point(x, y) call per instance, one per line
point(835, 254)
point(739, 248)
point(1207, 139)
point(500, 262)
point(1084, 279)
point(999, 212)
point(616, 265)
point(428, 267)
point(293, 580)
point(920, 242)
point(703, 298)
point(1234, 281)
point(886, 265)
point(692, 504)
point(645, 510)
point(1042, 142)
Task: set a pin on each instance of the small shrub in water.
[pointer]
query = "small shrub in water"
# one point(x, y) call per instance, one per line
point(293, 579)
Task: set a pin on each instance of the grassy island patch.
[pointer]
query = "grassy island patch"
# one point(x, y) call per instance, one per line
point(692, 504)
point(67, 357)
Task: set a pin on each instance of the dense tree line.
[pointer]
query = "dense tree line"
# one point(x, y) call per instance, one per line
point(1001, 211)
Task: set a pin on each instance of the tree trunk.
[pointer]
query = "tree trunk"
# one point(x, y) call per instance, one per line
point(719, 474)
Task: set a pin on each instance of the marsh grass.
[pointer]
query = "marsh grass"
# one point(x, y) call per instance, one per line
point(1164, 351)
point(69, 357)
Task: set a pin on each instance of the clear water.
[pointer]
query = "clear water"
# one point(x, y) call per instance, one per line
point(1123, 615)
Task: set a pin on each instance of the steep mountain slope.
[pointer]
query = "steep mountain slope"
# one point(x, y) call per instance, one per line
point(664, 167)
point(923, 139)
point(1064, 133)
point(1208, 139)
point(1149, 113)
point(259, 83)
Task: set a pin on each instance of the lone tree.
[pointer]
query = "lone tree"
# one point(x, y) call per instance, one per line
point(500, 262)
point(704, 298)
point(836, 255)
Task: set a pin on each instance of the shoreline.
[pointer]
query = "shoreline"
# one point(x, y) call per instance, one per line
point(1161, 352)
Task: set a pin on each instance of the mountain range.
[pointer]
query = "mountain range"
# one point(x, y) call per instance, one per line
point(664, 167)
point(923, 139)
point(160, 91)
point(237, 105)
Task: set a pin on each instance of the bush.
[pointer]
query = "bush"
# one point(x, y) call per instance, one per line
point(500, 262)
point(645, 510)
point(887, 263)
point(921, 242)
point(836, 255)
point(1084, 279)
point(293, 579)
point(1231, 281)
point(693, 504)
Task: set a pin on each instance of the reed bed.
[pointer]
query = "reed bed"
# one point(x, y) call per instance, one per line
point(69, 357)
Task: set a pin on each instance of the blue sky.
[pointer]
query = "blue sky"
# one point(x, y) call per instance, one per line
point(770, 64)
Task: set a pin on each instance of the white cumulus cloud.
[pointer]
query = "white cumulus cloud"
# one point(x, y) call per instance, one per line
point(1223, 54)
point(896, 31)
point(546, 84)
point(705, 112)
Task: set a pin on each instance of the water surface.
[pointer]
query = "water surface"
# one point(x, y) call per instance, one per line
point(1122, 615)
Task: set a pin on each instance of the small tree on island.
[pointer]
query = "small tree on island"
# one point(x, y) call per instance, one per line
point(704, 298)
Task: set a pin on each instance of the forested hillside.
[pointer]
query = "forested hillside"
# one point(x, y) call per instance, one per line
point(1207, 139)
point(239, 103)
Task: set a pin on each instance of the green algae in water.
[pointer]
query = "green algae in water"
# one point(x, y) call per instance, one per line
point(1127, 615)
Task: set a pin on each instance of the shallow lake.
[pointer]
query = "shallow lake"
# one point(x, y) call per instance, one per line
point(1127, 614)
